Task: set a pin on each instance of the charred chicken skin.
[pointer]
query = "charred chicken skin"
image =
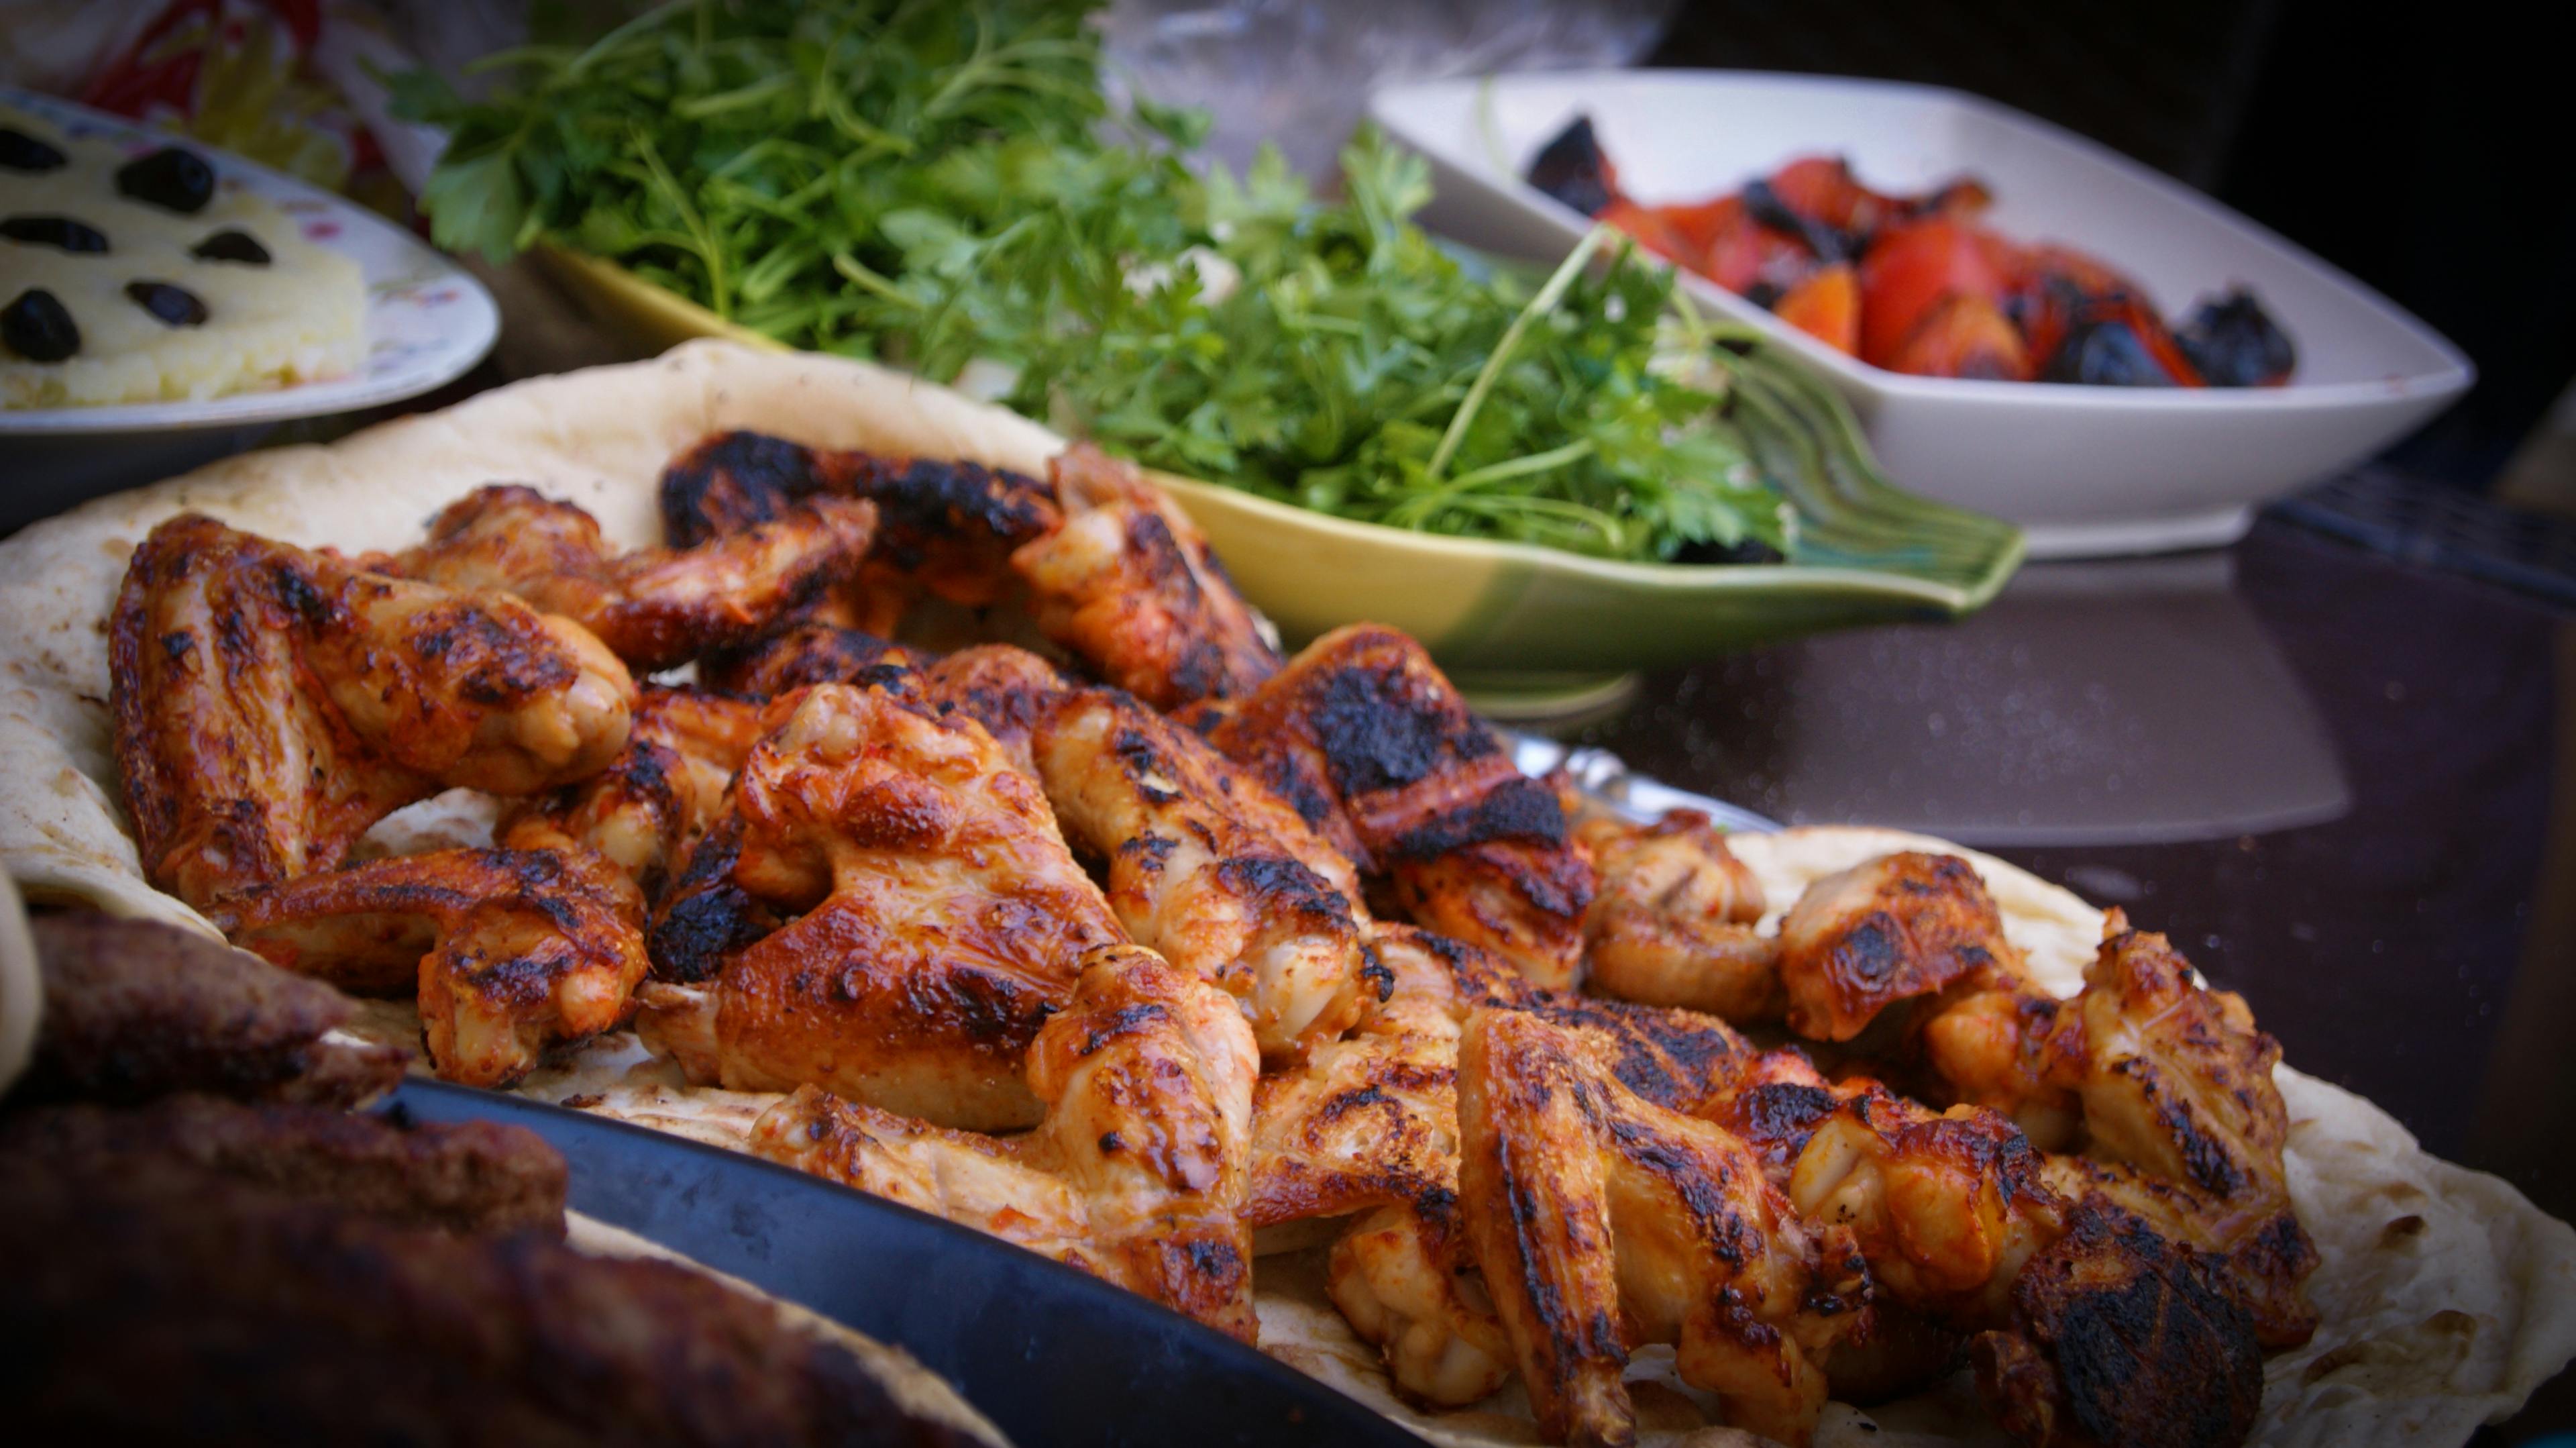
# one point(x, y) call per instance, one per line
point(656, 608)
point(273, 704)
point(1129, 584)
point(1365, 738)
point(647, 810)
point(512, 952)
point(1195, 872)
point(1673, 924)
point(1603, 1221)
point(810, 651)
point(1888, 930)
point(938, 916)
point(1137, 1168)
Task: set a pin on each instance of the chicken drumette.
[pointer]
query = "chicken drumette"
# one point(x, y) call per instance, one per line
point(273, 704)
point(647, 810)
point(1134, 1173)
point(1673, 924)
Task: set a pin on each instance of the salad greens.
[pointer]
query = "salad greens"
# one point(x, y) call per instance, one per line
point(941, 184)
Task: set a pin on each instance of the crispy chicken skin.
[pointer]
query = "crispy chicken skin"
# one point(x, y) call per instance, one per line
point(1195, 874)
point(1884, 931)
point(1137, 1168)
point(1603, 1221)
point(272, 704)
point(1007, 689)
point(1129, 584)
point(136, 1009)
point(656, 608)
point(471, 1176)
point(810, 651)
point(940, 915)
point(2121, 1336)
point(1673, 924)
point(152, 1301)
point(513, 952)
point(2264, 1255)
point(648, 809)
point(1364, 737)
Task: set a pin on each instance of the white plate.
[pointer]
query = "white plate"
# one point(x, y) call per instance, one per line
point(2084, 470)
point(428, 323)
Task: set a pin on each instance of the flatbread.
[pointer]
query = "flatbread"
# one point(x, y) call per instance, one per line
point(2446, 1296)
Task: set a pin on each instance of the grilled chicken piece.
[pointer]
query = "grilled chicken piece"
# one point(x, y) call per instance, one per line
point(512, 952)
point(2120, 1336)
point(470, 1176)
point(807, 652)
point(944, 527)
point(135, 1009)
point(1884, 931)
point(1130, 585)
point(647, 810)
point(1007, 689)
point(941, 916)
point(1374, 748)
point(1405, 1278)
point(1196, 875)
point(272, 704)
point(1673, 922)
point(1134, 1174)
point(656, 608)
point(1603, 1221)
point(2264, 1254)
point(1996, 1039)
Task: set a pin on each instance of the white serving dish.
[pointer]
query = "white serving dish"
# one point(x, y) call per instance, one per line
point(428, 323)
point(2084, 470)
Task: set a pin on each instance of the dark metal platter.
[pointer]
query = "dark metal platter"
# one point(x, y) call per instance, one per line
point(1051, 1355)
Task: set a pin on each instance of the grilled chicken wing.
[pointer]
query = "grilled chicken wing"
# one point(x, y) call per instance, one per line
point(656, 608)
point(941, 916)
point(514, 952)
point(1373, 746)
point(807, 652)
point(2264, 1255)
point(1673, 922)
point(2121, 1336)
point(1129, 584)
point(944, 527)
point(1195, 875)
point(1136, 1171)
point(1884, 931)
point(1602, 1221)
point(647, 810)
point(1008, 690)
point(272, 704)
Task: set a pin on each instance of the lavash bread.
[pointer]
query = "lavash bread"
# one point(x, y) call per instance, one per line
point(2446, 1296)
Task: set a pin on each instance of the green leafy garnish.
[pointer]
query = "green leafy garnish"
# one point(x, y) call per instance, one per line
point(940, 184)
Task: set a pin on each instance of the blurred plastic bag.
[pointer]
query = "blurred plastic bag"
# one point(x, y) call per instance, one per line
point(1300, 74)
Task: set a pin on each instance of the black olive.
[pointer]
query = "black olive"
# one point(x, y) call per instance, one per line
point(22, 152)
point(230, 245)
point(1572, 169)
point(37, 328)
point(2104, 354)
point(59, 231)
point(175, 305)
point(169, 178)
point(2235, 343)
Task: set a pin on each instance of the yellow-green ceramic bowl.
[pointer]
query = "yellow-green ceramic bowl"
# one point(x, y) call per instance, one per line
point(1513, 617)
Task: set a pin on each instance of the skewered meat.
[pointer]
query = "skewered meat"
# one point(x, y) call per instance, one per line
point(1889, 930)
point(1130, 585)
point(512, 952)
point(1673, 924)
point(1135, 1171)
point(1195, 873)
point(135, 1009)
point(940, 916)
point(152, 1301)
point(472, 1176)
point(647, 810)
point(656, 608)
point(1602, 1221)
point(1372, 746)
point(272, 704)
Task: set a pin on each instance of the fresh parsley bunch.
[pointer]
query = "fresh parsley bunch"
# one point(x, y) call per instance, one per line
point(940, 184)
